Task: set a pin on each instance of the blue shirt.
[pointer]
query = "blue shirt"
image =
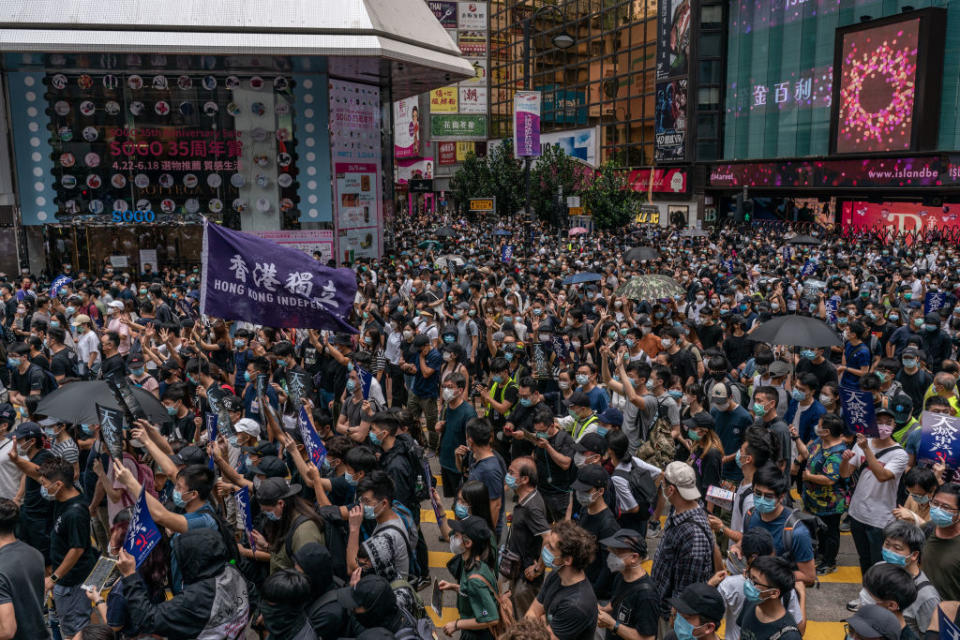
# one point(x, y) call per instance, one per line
point(240, 359)
point(731, 427)
point(428, 387)
point(490, 471)
point(599, 399)
point(857, 357)
point(454, 434)
point(808, 418)
point(801, 547)
point(251, 408)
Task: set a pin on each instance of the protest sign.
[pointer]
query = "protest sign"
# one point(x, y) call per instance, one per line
point(366, 378)
point(939, 439)
point(244, 519)
point(111, 428)
point(858, 412)
point(58, 283)
point(311, 441)
point(934, 301)
point(298, 386)
point(142, 534)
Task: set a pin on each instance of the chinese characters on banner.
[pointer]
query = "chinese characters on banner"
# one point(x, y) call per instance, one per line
point(244, 519)
point(526, 124)
point(858, 412)
point(938, 440)
point(298, 386)
point(142, 534)
point(311, 441)
point(934, 301)
point(506, 253)
point(248, 278)
point(355, 139)
point(111, 428)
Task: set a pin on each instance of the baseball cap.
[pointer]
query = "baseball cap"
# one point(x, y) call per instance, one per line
point(116, 304)
point(702, 420)
point(719, 394)
point(681, 475)
point(232, 403)
point(270, 466)
point(80, 319)
point(910, 352)
point(261, 449)
point(593, 442)
point(135, 361)
point(611, 415)
point(189, 455)
point(273, 489)
point(700, 599)
point(420, 341)
point(28, 430)
point(883, 411)
point(779, 368)
point(591, 476)
point(902, 407)
point(7, 413)
point(473, 527)
point(625, 539)
point(580, 399)
point(248, 426)
point(371, 592)
point(873, 621)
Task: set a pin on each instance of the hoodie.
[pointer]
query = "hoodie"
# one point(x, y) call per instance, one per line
point(213, 603)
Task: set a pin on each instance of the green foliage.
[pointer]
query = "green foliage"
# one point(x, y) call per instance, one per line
point(499, 175)
point(608, 199)
point(470, 181)
point(555, 169)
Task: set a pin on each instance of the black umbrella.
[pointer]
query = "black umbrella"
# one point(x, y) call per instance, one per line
point(445, 232)
point(76, 403)
point(641, 253)
point(796, 331)
point(803, 239)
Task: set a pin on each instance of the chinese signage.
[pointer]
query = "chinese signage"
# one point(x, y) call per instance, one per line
point(306, 240)
point(451, 127)
point(443, 100)
point(473, 99)
point(858, 413)
point(526, 124)
point(406, 127)
point(483, 205)
point(673, 60)
point(355, 143)
point(938, 441)
point(447, 152)
point(472, 15)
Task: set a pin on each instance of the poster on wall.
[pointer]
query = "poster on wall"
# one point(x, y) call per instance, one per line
point(901, 217)
point(473, 99)
point(413, 169)
point(526, 124)
point(406, 128)
point(673, 38)
point(670, 135)
point(472, 15)
point(355, 146)
point(445, 12)
point(306, 240)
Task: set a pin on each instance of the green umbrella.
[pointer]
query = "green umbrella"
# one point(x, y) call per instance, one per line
point(428, 244)
point(650, 287)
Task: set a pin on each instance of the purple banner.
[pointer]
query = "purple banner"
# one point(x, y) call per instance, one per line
point(256, 280)
point(526, 124)
point(311, 441)
point(244, 519)
point(142, 534)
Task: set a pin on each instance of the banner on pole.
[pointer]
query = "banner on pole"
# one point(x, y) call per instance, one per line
point(526, 124)
point(111, 428)
point(142, 534)
point(311, 441)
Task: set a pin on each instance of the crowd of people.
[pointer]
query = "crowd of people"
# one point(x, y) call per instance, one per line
point(566, 430)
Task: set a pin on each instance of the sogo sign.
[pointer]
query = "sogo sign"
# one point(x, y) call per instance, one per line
point(134, 216)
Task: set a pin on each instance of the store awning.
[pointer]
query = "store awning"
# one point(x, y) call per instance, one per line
point(388, 42)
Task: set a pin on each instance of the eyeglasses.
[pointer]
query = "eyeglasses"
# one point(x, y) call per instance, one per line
point(945, 507)
point(761, 494)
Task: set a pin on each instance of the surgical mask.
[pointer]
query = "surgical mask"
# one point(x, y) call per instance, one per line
point(448, 339)
point(666, 342)
point(46, 495)
point(693, 435)
point(374, 439)
point(71, 310)
point(738, 460)
point(882, 376)
point(940, 517)
point(809, 354)
point(449, 394)
point(178, 499)
point(234, 441)
point(798, 395)
point(351, 386)
point(50, 432)
point(884, 430)
point(270, 515)
point(86, 429)
point(893, 558)
point(407, 335)
point(456, 546)
point(825, 399)
point(649, 385)
point(563, 384)
point(910, 363)
point(630, 342)
point(171, 411)
point(676, 394)
point(615, 563)
point(758, 409)
point(508, 356)
point(920, 499)
point(547, 556)
point(585, 498)
point(137, 372)
point(497, 379)
point(750, 591)
point(348, 478)
point(526, 402)
point(893, 317)
point(54, 323)
point(510, 480)
point(764, 504)
point(683, 628)
point(349, 367)
point(369, 512)
point(460, 511)
point(579, 459)
point(602, 431)
point(582, 379)
point(246, 376)
point(13, 363)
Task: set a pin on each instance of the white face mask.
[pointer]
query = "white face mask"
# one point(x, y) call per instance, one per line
point(449, 394)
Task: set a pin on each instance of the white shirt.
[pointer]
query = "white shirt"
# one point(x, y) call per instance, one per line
point(10, 474)
point(732, 591)
point(873, 501)
point(736, 517)
point(625, 499)
point(86, 344)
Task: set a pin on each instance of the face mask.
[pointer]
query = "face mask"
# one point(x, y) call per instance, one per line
point(615, 563)
point(918, 322)
point(884, 430)
point(178, 499)
point(54, 323)
point(460, 511)
point(630, 342)
point(369, 513)
point(86, 429)
point(348, 478)
point(738, 460)
point(70, 311)
point(676, 394)
point(758, 409)
point(798, 395)
point(574, 345)
point(667, 343)
point(270, 515)
point(910, 363)
point(46, 495)
point(602, 432)
point(683, 628)
point(693, 435)
point(893, 317)
point(456, 546)
point(510, 480)
point(750, 591)
point(137, 372)
point(449, 394)
point(582, 379)
point(563, 385)
point(585, 498)
point(547, 557)
point(940, 517)
point(351, 386)
point(374, 439)
point(497, 379)
point(893, 558)
point(50, 432)
point(649, 385)
point(13, 363)
point(246, 376)
point(508, 356)
point(526, 402)
point(765, 504)
point(920, 499)
point(171, 411)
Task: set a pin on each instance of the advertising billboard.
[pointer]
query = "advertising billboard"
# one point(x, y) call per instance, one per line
point(406, 123)
point(900, 217)
point(673, 62)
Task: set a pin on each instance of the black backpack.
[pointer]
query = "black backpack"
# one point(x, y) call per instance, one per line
point(335, 537)
point(226, 532)
point(642, 487)
point(815, 526)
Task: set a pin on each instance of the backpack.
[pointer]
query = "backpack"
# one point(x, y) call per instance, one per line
point(335, 538)
point(504, 607)
point(226, 532)
point(815, 527)
point(642, 488)
point(288, 539)
point(424, 480)
point(660, 447)
point(406, 516)
point(415, 629)
point(851, 483)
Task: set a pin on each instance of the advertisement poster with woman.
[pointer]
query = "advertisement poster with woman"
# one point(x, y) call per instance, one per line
point(406, 132)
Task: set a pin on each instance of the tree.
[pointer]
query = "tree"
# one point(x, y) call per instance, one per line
point(472, 180)
point(608, 198)
point(506, 179)
point(555, 169)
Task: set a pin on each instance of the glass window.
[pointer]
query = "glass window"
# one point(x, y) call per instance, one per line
point(711, 16)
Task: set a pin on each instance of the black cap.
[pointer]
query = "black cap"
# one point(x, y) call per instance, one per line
point(702, 420)
point(371, 593)
point(902, 407)
point(189, 455)
point(591, 476)
point(273, 489)
point(626, 539)
point(420, 341)
point(135, 361)
point(232, 403)
point(474, 527)
point(262, 449)
point(28, 430)
point(270, 466)
point(874, 621)
point(883, 411)
point(700, 599)
point(7, 413)
point(593, 442)
point(578, 399)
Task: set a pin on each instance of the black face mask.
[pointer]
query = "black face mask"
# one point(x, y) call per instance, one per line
point(718, 375)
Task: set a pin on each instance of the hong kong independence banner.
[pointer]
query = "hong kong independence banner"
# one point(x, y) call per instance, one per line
point(249, 278)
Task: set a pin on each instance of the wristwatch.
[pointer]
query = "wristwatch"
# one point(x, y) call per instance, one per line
point(54, 578)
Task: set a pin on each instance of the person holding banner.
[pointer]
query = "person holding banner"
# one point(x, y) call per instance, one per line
point(291, 522)
point(881, 462)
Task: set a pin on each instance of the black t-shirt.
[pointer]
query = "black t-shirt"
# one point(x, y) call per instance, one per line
point(341, 492)
point(553, 480)
point(602, 525)
point(34, 379)
point(571, 612)
point(710, 336)
point(114, 365)
point(825, 371)
point(683, 365)
point(34, 506)
point(915, 386)
point(71, 530)
point(64, 363)
point(635, 605)
point(529, 522)
point(737, 349)
point(752, 629)
point(21, 584)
